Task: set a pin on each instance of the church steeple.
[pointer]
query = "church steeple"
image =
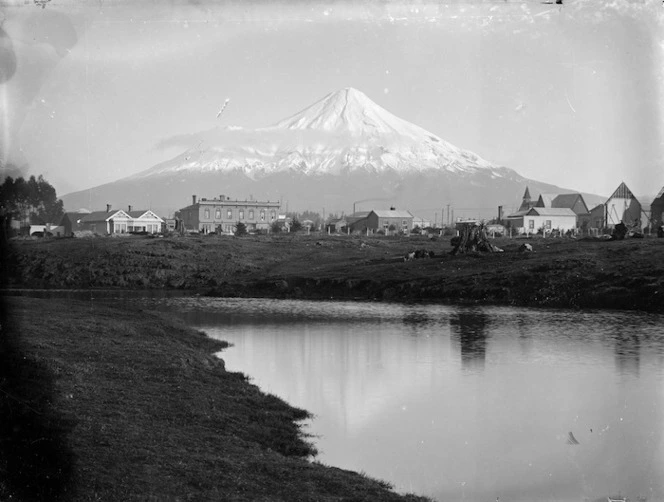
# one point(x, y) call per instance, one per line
point(526, 203)
point(526, 195)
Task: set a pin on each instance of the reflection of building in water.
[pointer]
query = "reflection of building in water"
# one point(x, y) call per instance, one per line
point(627, 351)
point(526, 341)
point(468, 328)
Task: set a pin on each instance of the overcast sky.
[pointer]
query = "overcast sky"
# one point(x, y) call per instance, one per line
point(569, 95)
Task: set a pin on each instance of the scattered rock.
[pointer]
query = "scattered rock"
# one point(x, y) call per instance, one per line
point(525, 248)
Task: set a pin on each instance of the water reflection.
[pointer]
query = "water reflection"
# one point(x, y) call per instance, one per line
point(469, 331)
point(462, 403)
point(393, 395)
point(627, 349)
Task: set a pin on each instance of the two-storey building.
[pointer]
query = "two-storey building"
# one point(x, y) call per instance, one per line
point(222, 214)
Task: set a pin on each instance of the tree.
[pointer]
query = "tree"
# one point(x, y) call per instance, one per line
point(296, 225)
point(29, 201)
point(275, 228)
point(240, 229)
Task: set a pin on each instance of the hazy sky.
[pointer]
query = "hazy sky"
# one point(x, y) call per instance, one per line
point(570, 95)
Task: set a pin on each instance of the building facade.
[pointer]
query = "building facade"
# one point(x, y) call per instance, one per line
point(550, 212)
point(573, 201)
point(623, 207)
point(545, 219)
point(657, 209)
point(112, 222)
point(597, 215)
point(145, 221)
point(221, 215)
point(384, 220)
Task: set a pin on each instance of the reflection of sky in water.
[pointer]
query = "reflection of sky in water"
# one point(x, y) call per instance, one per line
point(462, 403)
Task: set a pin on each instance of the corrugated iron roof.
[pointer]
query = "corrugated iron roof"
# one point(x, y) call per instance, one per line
point(392, 213)
point(551, 211)
point(100, 215)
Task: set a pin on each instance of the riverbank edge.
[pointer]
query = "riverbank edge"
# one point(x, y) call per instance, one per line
point(89, 417)
point(559, 273)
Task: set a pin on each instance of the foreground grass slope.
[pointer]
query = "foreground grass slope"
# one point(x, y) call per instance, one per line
point(564, 273)
point(103, 404)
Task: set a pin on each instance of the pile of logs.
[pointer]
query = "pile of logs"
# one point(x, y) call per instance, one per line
point(473, 238)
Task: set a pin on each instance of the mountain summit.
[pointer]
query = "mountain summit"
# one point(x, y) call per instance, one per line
point(342, 149)
point(351, 111)
point(343, 132)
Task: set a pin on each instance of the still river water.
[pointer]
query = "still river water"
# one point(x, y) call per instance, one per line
point(461, 403)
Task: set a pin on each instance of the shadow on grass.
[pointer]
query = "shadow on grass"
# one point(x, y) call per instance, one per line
point(35, 460)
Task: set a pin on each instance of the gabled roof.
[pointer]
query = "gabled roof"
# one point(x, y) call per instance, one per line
point(138, 214)
point(570, 200)
point(660, 194)
point(357, 216)
point(101, 216)
point(71, 216)
point(622, 192)
point(392, 213)
point(545, 200)
point(551, 211)
point(520, 213)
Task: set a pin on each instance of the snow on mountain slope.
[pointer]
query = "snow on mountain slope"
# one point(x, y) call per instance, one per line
point(343, 132)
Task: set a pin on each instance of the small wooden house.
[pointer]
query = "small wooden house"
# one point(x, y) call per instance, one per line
point(545, 218)
point(111, 222)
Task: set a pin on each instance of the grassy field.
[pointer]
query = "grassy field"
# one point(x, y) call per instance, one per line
point(565, 273)
point(102, 404)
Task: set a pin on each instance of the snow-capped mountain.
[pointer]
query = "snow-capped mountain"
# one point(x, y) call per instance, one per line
point(342, 149)
point(345, 131)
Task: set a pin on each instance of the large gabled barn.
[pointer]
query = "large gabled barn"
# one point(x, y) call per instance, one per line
point(623, 207)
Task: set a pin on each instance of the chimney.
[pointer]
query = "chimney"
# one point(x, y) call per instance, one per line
point(222, 197)
point(193, 199)
point(500, 213)
point(392, 208)
point(108, 208)
point(129, 208)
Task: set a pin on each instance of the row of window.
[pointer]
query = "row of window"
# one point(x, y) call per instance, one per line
point(404, 224)
point(547, 224)
point(207, 228)
point(121, 228)
point(229, 214)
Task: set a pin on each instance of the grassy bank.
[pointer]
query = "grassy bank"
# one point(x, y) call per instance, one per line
point(563, 273)
point(103, 404)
